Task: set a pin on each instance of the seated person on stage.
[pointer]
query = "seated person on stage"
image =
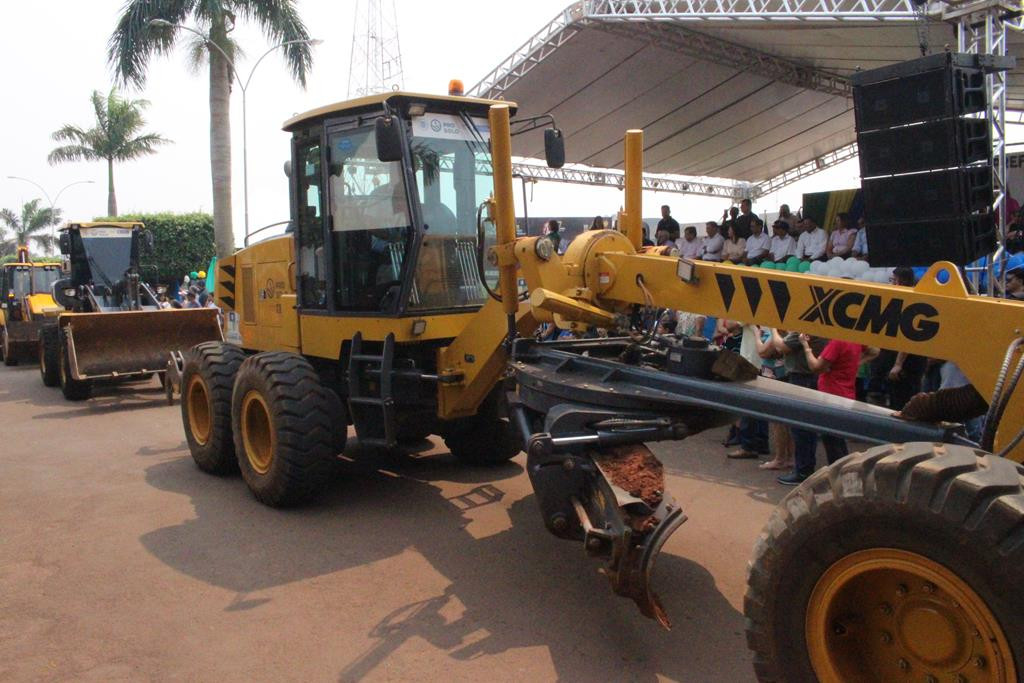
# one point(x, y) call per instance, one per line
point(713, 243)
point(689, 246)
point(840, 242)
point(758, 243)
point(860, 242)
point(812, 242)
point(783, 245)
point(734, 248)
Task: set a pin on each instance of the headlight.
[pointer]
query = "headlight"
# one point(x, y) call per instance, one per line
point(544, 248)
point(161, 289)
point(70, 291)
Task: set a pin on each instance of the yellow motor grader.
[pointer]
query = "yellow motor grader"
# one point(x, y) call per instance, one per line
point(26, 303)
point(111, 325)
point(383, 308)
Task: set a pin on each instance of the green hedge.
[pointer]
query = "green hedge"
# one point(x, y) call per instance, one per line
point(11, 258)
point(182, 242)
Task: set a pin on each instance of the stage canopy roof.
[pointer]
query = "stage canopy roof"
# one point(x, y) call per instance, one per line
point(755, 91)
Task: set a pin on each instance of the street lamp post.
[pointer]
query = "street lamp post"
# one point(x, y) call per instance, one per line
point(53, 201)
point(243, 86)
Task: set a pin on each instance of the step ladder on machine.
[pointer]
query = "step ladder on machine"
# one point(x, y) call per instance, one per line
point(371, 403)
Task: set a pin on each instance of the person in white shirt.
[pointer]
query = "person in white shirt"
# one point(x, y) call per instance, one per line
point(812, 242)
point(758, 243)
point(860, 242)
point(689, 246)
point(840, 242)
point(713, 243)
point(783, 244)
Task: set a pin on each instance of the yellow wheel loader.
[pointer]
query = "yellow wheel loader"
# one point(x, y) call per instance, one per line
point(26, 304)
point(111, 325)
point(384, 308)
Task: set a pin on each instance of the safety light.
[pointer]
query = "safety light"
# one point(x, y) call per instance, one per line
point(161, 289)
point(70, 291)
point(455, 88)
point(417, 109)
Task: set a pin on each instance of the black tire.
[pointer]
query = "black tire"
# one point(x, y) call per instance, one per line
point(209, 373)
point(956, 507)
point(10, 357)
point(49, 356)
point(298, 424)
point(483, 439)
point(73, 389)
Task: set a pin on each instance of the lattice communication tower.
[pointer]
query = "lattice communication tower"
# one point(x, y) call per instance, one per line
point(376, 60)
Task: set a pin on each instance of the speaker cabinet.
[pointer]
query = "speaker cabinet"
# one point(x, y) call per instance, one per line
point(926, 160)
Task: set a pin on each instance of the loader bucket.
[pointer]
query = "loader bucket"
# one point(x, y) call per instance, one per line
point(110, 345)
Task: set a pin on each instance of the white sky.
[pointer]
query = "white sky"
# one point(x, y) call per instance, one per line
point(54, 55)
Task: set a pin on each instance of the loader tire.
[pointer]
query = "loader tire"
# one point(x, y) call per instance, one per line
point(207, 380)
point(9, 354)
point(288, 428)
point(49, 355)
point(73, 389)
point(483, 439)
point(904, 562)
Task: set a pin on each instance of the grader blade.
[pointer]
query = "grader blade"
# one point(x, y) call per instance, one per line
point(627, 519)
point(124, 343)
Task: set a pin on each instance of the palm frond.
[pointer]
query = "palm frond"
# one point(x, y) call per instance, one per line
point(140, 146)
point(281, 22)
point(10, 219)
point(68, 153)
point(134, 40)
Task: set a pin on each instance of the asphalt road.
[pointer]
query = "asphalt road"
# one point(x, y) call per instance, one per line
point(120, 560)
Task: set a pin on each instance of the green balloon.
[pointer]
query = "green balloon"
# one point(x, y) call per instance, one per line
point(768, 264)
point(805, 266)
point(791, 260)
point(193, 275)
point(793, 266)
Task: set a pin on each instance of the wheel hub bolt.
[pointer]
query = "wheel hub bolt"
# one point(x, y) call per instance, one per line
point(904, 665)
point(901, 590)
point(886, 637)
point(886, 609)
point(960, 678)
point(928, 588)
point(839, 628)
point(979, 662)
point(930, 679)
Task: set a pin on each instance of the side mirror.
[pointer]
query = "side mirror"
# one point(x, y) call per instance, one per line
point(288, 168)
point(389, 139)
point(554, 148)
point(147, 241)
point(65, 242)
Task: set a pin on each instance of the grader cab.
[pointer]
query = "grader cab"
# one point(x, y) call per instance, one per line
point(111, 326)
point(26, 305)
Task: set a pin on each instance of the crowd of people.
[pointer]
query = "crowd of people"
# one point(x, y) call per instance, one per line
point(190, 294)
point(882, 377)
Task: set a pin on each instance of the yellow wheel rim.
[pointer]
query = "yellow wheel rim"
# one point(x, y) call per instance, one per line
point(200, 410)
point(885, 614)
point(257, 432)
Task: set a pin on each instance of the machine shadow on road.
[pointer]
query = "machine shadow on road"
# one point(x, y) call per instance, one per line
point(516, 588)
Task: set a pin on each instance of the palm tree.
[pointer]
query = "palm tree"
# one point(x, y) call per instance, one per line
point(136, 39)
point(114, 138)
point(29, 226)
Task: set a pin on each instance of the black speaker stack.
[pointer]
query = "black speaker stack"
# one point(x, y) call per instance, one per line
point(926, 159)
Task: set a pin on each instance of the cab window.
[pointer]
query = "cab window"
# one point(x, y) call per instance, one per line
point(453, 176)
point(370, 226)
point(312, 273)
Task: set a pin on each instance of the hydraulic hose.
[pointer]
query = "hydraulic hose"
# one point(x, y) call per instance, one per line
point(991, 422)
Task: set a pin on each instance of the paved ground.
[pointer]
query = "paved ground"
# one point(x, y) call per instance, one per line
point(120, 560)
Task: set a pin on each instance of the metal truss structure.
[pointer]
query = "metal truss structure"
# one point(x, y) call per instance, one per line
point(674, 25)
point(606, 178)
point(376, 59)
point(535, 171)
point(753, 10)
